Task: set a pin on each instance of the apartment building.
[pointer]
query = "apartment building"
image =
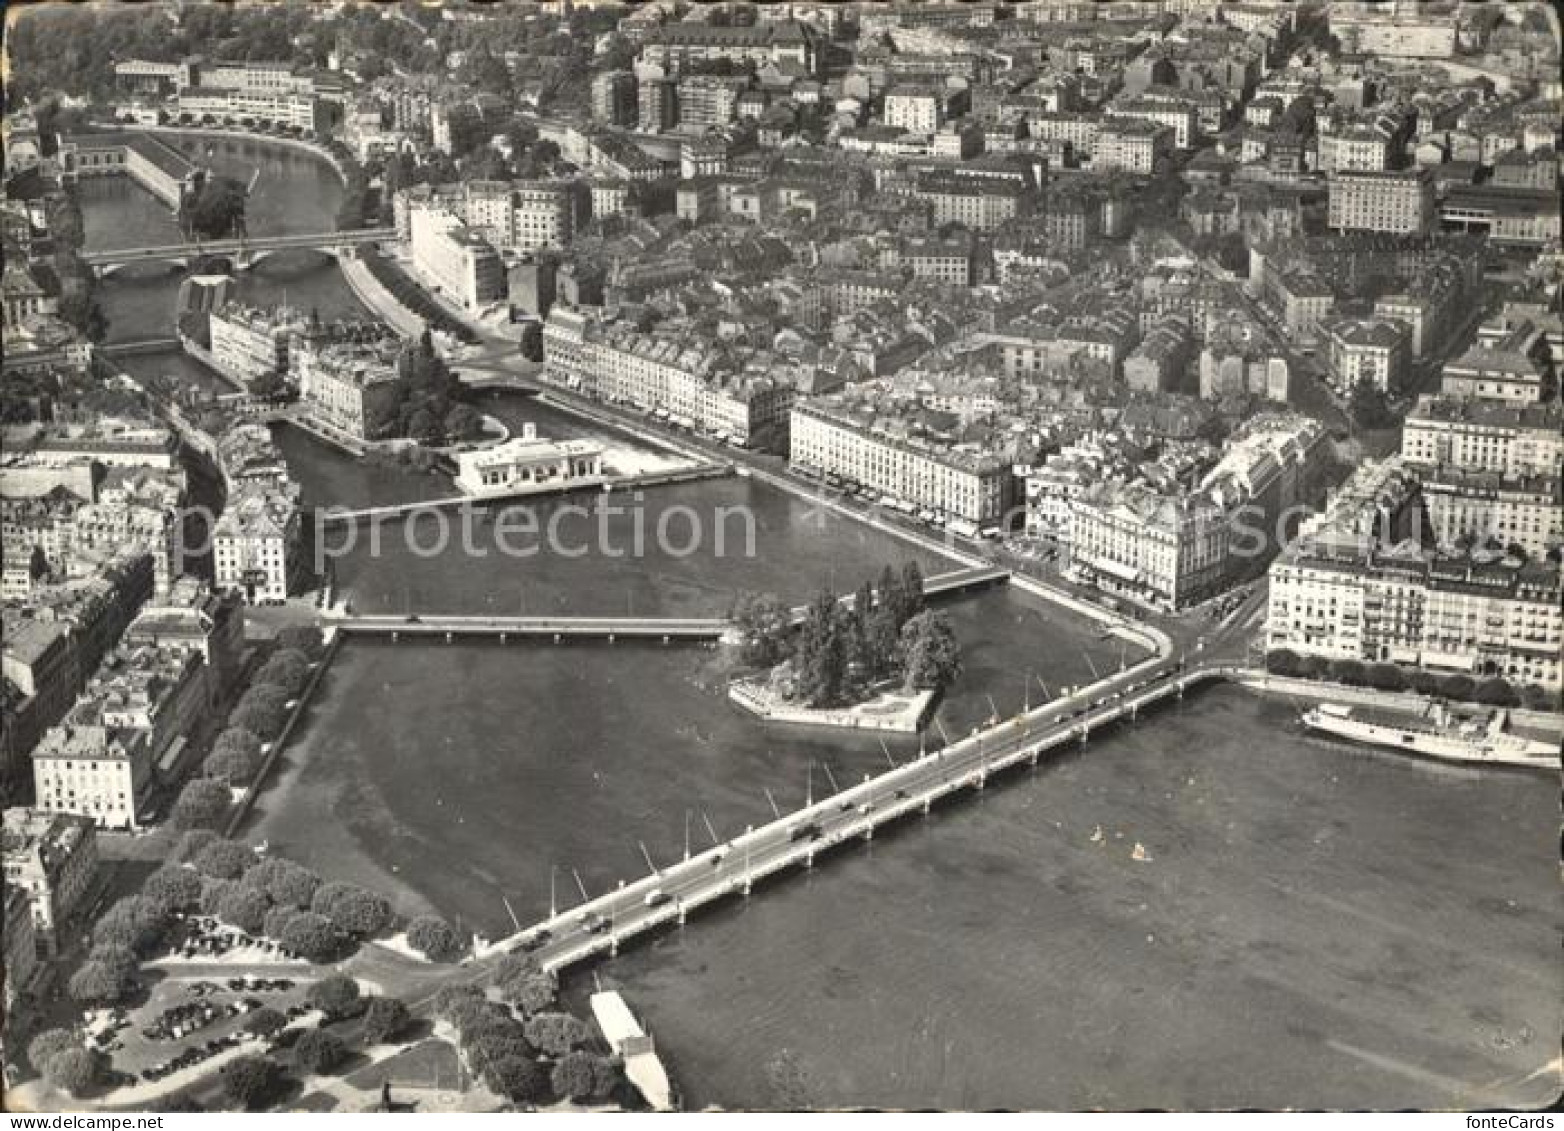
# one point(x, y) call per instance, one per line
point(957, 482)
point(542, 214)
point(1347, 594)
point(255, 544)
point(1478, 506)
point(614, 101)
point(1399, 202)
point(979, 203)
point(916, 109)
point(1180, 119)
point(1130, 145)
point(250, 343)
point(349, 388)
point(1479, 435)
point(678, 377)
point(53, 859)
point(1375, 350)
point(675, 46)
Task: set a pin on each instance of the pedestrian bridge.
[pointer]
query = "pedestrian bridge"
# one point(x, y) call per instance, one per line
point(245, 253)
point(558, 629)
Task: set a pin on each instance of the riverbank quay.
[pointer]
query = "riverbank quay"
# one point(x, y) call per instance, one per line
point(246, 802)
point(373, 293)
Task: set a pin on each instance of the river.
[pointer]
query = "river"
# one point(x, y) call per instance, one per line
point(1314, 927)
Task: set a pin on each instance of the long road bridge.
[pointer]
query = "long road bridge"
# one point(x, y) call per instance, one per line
point(611, 629)
point(244, 252)
point(600, 926)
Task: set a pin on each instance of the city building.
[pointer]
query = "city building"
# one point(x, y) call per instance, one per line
point(1400, 202)
point(1487, 373)
point(462, 265)
point(1352, 586)
point(152, 163)
point(677, 376)
point(292, 109)
point(52, 858)
point(249, 343)
point(1130, 145)
point(1367, 349)
point(349, 388)
point(1176, 547)
point(832, 436)
point(614, 101)
point(916, 109)
point(527, 464)
point(195, 618)
point(255, 545)
point(1509, 439)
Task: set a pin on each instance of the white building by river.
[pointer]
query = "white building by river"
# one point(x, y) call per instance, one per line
point(529, 464)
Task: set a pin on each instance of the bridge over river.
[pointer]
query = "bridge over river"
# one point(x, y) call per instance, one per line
point(244, 252)
point(611, 629)
point(600, 926)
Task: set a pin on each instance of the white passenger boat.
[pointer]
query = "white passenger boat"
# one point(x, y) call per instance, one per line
point(1465, 734)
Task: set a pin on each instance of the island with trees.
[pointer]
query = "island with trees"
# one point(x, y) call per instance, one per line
point(879, 661)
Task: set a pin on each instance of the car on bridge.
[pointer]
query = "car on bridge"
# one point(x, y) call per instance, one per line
point(809, 831)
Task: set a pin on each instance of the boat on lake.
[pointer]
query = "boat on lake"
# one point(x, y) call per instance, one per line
point(1458, 734)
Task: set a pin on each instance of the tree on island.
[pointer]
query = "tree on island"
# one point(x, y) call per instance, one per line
point(820, 661)
point(765, 626)
point(215, 209)
point(931, 653)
